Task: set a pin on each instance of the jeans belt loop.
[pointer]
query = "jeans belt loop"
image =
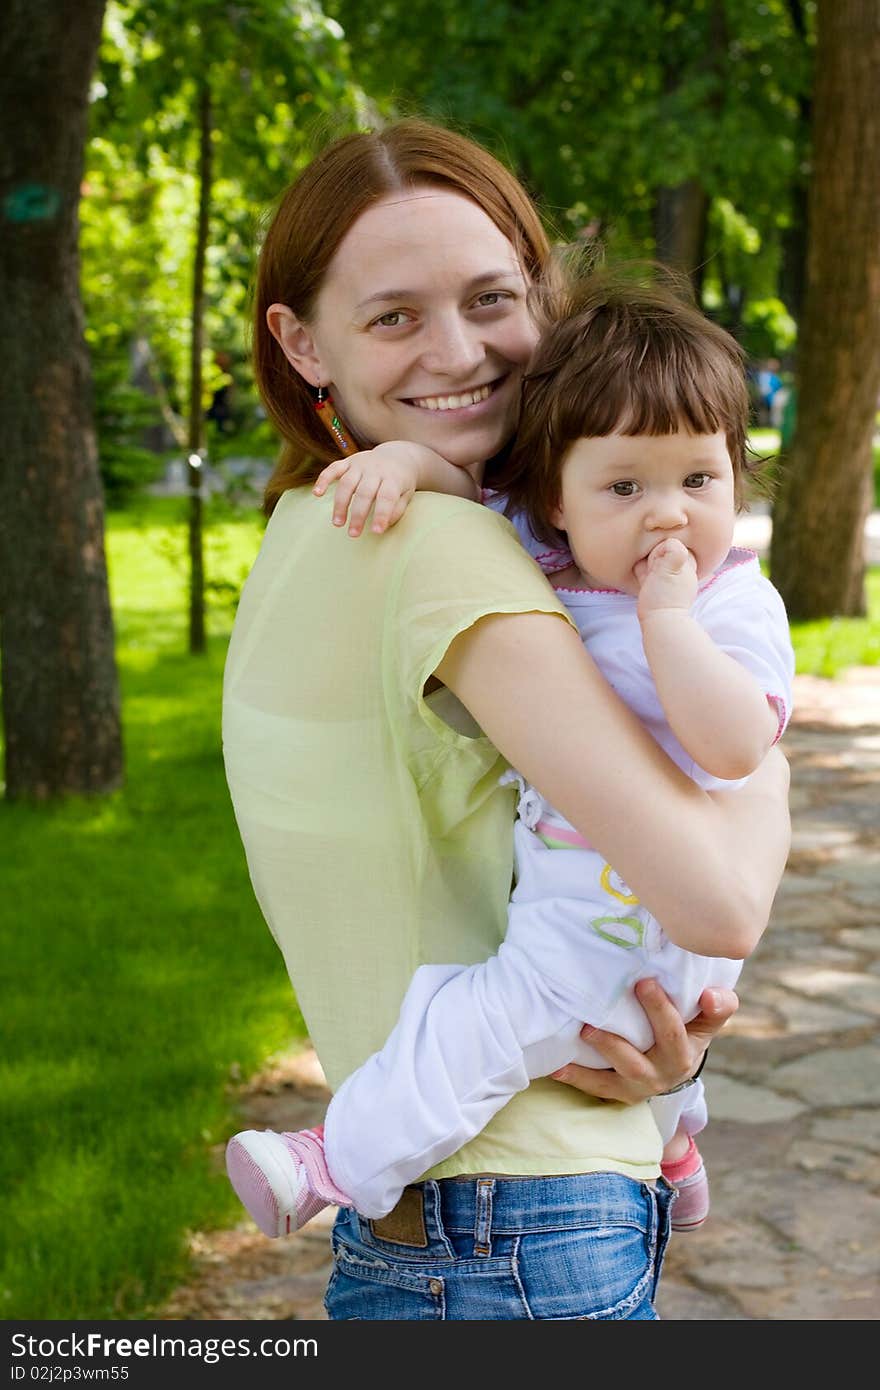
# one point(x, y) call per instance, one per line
point(483, 1222)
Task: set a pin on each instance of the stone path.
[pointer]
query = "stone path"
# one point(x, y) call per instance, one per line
point(793, 1145)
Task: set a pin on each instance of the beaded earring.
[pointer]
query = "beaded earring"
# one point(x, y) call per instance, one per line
point(332, 423)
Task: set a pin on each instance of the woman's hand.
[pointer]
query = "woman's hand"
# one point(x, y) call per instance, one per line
point(678, 1049)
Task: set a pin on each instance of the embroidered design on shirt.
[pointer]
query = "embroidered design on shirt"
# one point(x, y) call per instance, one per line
point(622, 892)
point(628, 943)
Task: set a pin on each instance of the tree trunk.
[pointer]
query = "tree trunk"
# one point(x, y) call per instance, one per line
point(795, 238)
point(793, 267)
point(60, 693)
point(817, 548)
point(680, 223)
point(196, 413)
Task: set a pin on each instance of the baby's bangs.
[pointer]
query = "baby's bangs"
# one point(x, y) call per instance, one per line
point(665, 391)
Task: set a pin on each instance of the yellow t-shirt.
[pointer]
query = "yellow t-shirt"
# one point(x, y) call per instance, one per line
point(377, 836)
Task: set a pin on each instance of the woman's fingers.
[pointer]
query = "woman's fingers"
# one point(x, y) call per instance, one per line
point(672, 1056)
point(604, 1084)
point(678, 1049)
point(716, 1007)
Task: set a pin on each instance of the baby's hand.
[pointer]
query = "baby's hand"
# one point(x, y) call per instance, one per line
point(670, 578)
point(383, 479)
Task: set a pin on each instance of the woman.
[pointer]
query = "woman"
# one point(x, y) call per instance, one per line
point(375, 692)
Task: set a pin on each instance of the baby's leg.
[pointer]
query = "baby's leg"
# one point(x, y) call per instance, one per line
point(469, 1038)
point(678, 1118)
point(459, 1051)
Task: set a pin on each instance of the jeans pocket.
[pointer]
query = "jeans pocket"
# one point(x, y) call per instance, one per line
point(594, 1273)
point(365, 1288)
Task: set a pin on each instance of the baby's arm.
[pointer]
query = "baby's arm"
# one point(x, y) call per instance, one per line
point(714, 706)
point(385, 479)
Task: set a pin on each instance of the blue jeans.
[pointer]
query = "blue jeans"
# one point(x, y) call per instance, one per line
point(581, 1247)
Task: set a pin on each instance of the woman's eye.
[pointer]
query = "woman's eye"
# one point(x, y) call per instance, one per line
point(624, 489)
point(696, 480)
point(490, 299)
point(393, 319)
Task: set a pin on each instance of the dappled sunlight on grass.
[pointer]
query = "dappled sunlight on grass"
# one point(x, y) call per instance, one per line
point(148, 564)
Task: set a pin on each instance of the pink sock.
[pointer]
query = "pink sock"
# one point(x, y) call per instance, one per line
point(683, 1167)
point(308, 1146)
point(688, 1176)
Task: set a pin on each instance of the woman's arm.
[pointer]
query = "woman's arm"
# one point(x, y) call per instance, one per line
point(706, 864)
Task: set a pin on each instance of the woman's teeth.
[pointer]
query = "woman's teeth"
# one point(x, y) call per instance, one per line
point(453, 402)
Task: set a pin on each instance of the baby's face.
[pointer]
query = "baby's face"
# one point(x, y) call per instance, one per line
point(623, 494)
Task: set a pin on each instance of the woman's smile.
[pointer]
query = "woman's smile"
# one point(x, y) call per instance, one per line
point(438, 358)
point(460, 400)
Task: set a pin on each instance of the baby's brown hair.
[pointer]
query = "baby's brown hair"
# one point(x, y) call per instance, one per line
point(623, 355)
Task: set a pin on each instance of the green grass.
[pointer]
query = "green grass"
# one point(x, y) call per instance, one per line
point(827, 646)
point(139, 975)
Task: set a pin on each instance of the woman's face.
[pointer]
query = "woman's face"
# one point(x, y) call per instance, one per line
point(421, 328)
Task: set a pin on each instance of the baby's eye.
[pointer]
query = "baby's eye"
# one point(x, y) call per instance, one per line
point(696, 480)
point(625, 488)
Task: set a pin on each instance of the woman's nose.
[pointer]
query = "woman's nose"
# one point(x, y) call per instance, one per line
point(453, 348)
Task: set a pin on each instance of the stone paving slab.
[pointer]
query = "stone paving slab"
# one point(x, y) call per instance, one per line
point(793, 1145)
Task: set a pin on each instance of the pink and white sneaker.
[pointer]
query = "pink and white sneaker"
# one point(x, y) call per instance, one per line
point(282, 1179)
point(688, 1176)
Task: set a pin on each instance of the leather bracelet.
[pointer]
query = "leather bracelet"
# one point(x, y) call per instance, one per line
point(691, 1079)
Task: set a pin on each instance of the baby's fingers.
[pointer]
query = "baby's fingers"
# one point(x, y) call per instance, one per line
point(329, 475)
point(390, 506)
point(670, 556)
point(362, 501)
point(346, 490)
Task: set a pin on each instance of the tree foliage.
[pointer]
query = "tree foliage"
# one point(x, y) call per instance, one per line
point(219, 96)
point(601, 107)
point(279, 74)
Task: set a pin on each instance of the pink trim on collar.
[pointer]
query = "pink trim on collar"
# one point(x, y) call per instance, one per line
point(747, 556)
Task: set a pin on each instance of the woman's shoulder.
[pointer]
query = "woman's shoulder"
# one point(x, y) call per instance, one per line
point(447, 545)
point(299, 507)
point(433, 509)
point(454, 531)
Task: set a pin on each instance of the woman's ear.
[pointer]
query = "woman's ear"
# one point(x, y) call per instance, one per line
point(296, 342)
